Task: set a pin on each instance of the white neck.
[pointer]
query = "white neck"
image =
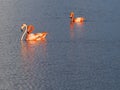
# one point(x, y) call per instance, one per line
point(24, 33)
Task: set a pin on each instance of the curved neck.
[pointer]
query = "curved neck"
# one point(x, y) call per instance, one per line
point(25, 32)
point(72, 18)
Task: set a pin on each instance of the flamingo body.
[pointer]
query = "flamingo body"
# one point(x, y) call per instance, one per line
point(79, 19)
point(37, 36)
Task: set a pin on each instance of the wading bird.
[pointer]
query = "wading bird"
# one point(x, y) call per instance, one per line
point(27, 31)
point(77, 19)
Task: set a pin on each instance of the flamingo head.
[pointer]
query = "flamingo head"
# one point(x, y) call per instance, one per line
point(71, 14)
point(23, 27)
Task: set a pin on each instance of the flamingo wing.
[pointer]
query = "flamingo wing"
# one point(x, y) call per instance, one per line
point(30, 29)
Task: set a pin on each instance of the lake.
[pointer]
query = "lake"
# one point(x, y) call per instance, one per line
point(72, 57)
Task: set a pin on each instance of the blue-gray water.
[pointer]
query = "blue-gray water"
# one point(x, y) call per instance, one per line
point(85, 57)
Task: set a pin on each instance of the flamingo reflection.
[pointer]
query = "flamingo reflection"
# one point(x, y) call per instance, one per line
point(74, 26)
point(32, 53)
point(72, 30)
point(30, 50)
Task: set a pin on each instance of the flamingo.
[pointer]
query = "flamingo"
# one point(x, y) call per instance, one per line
point(29, 35)
point(77, 19)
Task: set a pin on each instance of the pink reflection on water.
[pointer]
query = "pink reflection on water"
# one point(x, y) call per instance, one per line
point(32, 49)
point(74, 27)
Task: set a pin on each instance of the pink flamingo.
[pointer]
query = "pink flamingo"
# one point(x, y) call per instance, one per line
point(29, 35)
point(77, 19)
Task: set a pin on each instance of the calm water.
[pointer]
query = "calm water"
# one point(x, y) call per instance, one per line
point(73, 57)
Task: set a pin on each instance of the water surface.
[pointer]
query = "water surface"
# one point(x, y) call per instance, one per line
point(73, 57)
